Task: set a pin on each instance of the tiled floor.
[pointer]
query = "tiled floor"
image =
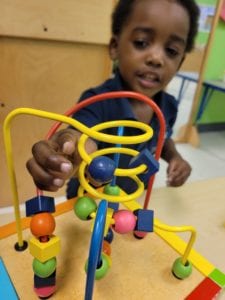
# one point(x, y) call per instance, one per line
point(207, 161)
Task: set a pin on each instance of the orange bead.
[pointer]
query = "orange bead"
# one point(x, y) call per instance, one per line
point(106, 248)
point(42, 224)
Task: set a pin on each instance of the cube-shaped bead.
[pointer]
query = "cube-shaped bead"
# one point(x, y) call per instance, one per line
point(145, 157)
point(44, 251)
point(47, 281)
point(40, 204)
point(145, 220)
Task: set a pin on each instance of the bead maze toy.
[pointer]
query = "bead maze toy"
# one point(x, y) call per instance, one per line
point(103, 205)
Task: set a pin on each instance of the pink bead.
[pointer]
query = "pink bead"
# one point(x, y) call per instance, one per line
point(125, 221)
point(140, 234)
point(45, 291)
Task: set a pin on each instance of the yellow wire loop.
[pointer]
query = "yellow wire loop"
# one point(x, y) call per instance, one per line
point(118, 172)
point(85, 186)
point(176, 229)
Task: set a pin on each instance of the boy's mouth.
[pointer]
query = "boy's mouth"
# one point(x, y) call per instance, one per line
point(148, 80)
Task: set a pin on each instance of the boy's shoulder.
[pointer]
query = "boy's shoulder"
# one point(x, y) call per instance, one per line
point(168, 99)
point(167, 103)
point(167, 95)
point(111, 84)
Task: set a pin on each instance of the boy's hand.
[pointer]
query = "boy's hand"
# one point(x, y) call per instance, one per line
point(56, 160)
point(178, 171)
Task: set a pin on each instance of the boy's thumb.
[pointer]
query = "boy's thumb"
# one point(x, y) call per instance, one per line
point(68, 147)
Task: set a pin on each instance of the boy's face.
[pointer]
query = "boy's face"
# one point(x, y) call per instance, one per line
point(151, 46)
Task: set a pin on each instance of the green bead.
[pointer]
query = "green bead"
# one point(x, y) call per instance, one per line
point(103, 269)
point(180, 270)
point(44, 269)
point(84, 206)
point(113, 190)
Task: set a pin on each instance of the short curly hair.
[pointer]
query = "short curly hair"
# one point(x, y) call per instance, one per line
point(124, 8)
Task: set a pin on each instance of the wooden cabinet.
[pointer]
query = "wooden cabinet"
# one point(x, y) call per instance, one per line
point(50, 52)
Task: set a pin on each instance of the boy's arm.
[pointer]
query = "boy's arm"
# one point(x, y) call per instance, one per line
point(178, 169)
point(56, 160)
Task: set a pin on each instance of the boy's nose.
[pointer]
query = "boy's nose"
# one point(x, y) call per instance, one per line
point(154, 57)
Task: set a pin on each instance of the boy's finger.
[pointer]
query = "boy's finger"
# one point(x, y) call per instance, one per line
point(172, 176)
point(177, 180)
point(42, 179)
point(48, 158)
point(66, 140)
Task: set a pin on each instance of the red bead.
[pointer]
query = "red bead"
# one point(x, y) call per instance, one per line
point(42, 224)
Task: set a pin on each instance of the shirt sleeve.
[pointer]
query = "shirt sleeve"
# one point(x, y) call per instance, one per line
point(170, 110)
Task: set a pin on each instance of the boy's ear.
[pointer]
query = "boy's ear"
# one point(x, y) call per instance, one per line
point(113, 48)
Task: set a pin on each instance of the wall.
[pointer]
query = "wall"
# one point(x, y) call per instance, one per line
point(193, 60)
point(203, 34)
point(50, 52)
point(215, 68)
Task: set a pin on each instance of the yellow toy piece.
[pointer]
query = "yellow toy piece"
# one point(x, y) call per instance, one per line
point(44, 251)
point(108, 221)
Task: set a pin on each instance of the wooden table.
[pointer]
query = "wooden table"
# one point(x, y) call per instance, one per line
point(140, 268)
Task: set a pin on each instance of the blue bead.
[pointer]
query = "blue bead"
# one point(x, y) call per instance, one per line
point(145, 157)
point(40, 204)
point(102, 169)
point(145, 220)
point(47, 281)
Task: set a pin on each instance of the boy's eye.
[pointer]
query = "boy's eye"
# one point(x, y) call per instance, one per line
point(140, 44)
point(172, 52)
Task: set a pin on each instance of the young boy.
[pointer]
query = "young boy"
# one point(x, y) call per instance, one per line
point(149, 41)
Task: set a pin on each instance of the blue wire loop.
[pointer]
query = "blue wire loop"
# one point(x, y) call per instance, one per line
point(95, 248)
point(117, 155)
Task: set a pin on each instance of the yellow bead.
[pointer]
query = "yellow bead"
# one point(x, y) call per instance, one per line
point(44, 251)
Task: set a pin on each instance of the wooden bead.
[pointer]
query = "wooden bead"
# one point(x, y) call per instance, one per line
point(84, 206)
point(106, 248)
point(45, 292)
point(101, 169)
point(44, 269)
point(42, 224)
point(44, 251)
point(125, 221)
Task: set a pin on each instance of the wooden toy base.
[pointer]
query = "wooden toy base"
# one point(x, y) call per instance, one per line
point(141, 269)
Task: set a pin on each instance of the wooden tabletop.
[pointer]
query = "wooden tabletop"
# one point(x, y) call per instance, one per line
point(140, 268)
